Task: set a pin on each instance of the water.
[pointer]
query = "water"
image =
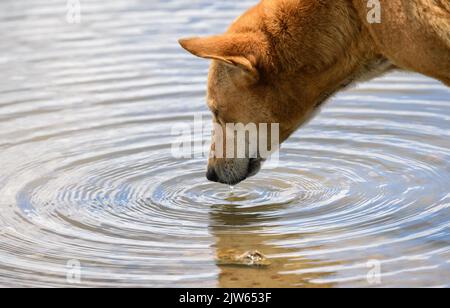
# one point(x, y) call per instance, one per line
point(87, 176)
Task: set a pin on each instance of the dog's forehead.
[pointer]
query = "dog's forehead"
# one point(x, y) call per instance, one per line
point(218, 74)
point(218, 81)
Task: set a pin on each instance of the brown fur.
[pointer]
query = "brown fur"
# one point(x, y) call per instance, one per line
point(282, 59)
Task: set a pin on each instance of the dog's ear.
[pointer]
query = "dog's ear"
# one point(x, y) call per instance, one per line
point(237, 50)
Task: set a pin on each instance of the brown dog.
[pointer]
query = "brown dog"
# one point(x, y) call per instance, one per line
point(282, 59)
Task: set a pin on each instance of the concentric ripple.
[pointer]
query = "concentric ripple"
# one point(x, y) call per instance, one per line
point(88, 177)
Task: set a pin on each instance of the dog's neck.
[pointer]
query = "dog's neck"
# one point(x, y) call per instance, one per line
point(317, 48)
point(324, 42)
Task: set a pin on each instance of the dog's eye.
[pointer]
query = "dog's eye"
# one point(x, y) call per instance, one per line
point(217, 117)
point(215, 112)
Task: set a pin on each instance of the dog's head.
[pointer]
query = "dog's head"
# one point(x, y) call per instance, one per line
point(276, 64)
point(242, 96)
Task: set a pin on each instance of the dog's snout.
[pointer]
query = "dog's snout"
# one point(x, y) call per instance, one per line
point(254, 167)
point(211, 175)
point(234, 172)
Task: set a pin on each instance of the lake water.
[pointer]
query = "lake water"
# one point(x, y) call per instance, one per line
point(89, 188)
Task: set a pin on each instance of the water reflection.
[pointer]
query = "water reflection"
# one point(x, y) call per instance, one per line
point(86, 114)
point(239, 230)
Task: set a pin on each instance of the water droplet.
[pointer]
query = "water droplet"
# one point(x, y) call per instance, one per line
point(231, 190)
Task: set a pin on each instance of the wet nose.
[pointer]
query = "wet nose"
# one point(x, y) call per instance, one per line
point(211, 175)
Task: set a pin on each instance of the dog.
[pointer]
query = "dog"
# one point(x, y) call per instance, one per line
point(282, 59)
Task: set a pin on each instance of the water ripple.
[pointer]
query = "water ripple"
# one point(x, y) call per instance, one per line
point(86, 113)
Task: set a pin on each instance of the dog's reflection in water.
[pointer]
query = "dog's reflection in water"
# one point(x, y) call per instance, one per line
point(248, 257)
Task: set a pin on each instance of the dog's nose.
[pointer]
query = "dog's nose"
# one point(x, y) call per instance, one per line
point(211, 175)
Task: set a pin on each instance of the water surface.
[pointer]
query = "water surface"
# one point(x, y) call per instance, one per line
point(87, 174)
